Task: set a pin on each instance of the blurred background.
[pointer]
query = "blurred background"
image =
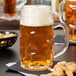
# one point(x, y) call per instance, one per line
point(10, 23)
point(14, 24)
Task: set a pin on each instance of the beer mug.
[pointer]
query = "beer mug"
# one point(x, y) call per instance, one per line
point(11, 8)
point(67, 14)
point(55, 9)
point(36, 36)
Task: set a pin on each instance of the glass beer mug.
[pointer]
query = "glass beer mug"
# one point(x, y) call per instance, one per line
point(67, 14)
point(36, 36)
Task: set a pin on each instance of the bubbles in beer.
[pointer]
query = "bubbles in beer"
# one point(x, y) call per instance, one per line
point(36, 15)
point(33, 32)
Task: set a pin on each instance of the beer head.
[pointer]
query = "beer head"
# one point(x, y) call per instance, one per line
point(36, 15)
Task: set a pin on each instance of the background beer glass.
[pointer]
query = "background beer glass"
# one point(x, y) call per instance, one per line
point(36, 36)
point(67, 14)
point(55, 5)
point(11, 8)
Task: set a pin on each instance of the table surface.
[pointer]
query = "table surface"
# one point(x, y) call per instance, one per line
point(12, 55)
point(9, 25)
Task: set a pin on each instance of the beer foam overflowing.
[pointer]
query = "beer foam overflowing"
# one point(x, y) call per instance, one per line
point(36, 15)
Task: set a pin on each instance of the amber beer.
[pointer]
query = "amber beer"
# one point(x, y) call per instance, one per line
point(36, 37)
point(70, 18)
point(9, 8)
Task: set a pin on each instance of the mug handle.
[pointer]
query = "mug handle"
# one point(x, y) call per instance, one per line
point(61, 12)
point(64, 49)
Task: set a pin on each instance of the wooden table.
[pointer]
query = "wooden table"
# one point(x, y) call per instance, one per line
point(12, 54)
point(9, 25)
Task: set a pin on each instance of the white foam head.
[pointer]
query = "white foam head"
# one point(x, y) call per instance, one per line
point(36, 15)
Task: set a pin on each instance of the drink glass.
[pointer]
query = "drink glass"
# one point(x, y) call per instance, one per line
point(55, 9)
point(36, 36)
point(68, 16)
point(10, 9)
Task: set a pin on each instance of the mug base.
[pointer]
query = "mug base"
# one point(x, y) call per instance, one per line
point(35, 68)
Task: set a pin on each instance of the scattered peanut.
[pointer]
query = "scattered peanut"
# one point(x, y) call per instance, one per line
point(68, 72)
point(62, 63)
point(69, 63)
point(61, 67)
point(59, 70)
point(72, 67)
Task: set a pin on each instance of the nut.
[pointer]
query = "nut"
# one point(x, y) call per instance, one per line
point(9, 35)
point(68, 72)
point(61, 67)
point(1, 35)
point(62, 63)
